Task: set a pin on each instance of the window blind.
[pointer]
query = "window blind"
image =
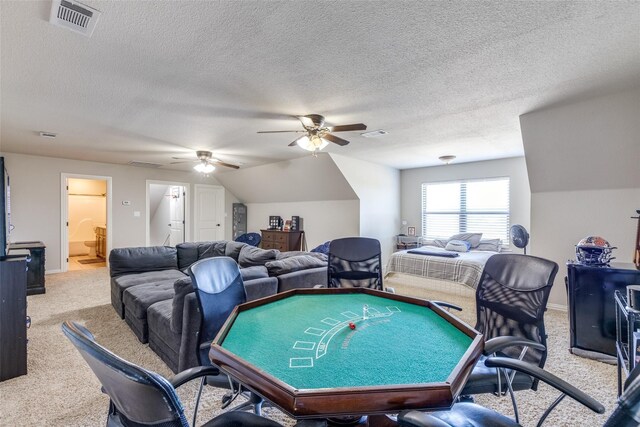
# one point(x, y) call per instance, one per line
point(469, 206)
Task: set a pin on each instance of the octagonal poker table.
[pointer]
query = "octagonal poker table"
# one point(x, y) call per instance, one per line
point(347, 352)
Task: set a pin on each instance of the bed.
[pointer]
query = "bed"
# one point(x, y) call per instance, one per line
point(417, 274)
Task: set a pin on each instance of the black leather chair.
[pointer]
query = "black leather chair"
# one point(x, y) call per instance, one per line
point(141, 397)
point(354, 262)
point(626, 414)
point(219, 289)
point(252, 239)
point(511, 299)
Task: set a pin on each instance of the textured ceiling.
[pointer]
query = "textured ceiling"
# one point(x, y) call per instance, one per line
point(160, 79)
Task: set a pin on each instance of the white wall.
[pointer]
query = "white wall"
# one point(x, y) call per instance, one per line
point(584, 162)
point(323, 220)
point(561, 218)
point(515, 168)
point(378, 189)
point(158, 230)
point(36, 198)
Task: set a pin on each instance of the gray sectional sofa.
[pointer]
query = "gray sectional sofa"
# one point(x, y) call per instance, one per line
point(152, 291)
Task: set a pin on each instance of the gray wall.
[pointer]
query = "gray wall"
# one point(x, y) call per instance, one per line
point(36, 199)
point(584, 162)
point(514, 168)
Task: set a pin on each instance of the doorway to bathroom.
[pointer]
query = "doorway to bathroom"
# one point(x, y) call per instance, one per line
point(86, 229)
point(167, 213)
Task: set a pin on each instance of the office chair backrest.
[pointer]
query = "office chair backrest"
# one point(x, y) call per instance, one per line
point(252, 239)
point(627, 412)
point(511, 300)
point(354, 262)
point(219, 288)
point(137, 395)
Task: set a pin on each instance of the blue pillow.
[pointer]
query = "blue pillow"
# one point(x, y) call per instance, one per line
point(458, 246)
point(323, 248)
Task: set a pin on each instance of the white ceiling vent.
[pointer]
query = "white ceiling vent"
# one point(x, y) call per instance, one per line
point(144, 164)
point(74, 16)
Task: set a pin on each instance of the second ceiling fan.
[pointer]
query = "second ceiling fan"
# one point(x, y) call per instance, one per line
point(316, 134)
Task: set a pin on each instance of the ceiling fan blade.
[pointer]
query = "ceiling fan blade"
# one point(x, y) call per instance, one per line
point(184, 161)
point(294, 143)
point(306, 121)
point(279, 131)
point(221, 163)
point(335, 139)
point(346, 128)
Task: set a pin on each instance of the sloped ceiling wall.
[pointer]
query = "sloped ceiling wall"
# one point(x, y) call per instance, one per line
point(301, 180)
point(588, 145)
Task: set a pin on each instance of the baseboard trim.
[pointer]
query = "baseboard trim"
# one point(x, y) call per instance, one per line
point(558, 307)
point(52, 271)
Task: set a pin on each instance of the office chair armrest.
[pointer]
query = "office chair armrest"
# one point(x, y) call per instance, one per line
point(496, 344)
point(192, 373)
point(546, 377)
point(447, 305)
point(419, 419)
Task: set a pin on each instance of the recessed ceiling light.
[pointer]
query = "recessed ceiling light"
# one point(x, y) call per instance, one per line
point(48, 134)
point(447, 159)
point(374, 133)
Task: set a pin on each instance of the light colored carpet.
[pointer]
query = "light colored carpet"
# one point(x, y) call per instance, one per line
point(60, 389)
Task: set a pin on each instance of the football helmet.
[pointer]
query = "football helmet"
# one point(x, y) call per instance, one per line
point(594, 250)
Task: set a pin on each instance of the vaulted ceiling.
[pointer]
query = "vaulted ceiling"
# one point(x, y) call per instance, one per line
point(162, 79)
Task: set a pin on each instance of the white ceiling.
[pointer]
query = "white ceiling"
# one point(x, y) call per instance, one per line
point(161, 79)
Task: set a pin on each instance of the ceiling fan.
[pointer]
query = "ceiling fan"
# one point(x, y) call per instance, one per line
point(206, 163)
point(316, 134)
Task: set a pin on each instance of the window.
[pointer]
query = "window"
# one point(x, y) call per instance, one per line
point(471, 206)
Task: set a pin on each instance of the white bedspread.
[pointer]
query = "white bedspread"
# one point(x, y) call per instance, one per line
point(465, 269)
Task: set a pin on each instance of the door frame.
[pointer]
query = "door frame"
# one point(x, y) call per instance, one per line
point(223, 222)
point(64, 213)
point(187, 204)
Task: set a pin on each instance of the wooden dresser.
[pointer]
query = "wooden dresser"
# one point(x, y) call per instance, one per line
point(282, 240)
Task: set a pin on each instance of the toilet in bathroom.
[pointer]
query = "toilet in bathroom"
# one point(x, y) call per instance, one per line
point(91, 244)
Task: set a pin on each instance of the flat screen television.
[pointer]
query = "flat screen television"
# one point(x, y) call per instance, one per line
point(5, 209)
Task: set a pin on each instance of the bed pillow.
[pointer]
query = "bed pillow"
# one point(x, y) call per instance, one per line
point(472, 238)
point(458, 246)
point(489, 245)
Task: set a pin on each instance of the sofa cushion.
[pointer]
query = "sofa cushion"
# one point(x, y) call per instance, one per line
point(142, 259)
point(121, 283)
point(250, 256)
point(290, 254)
point(187, 254)
point(211, 249)
point(181, 288)
point(162, 339)
point(296, 263)
point(255, 272)
point(139, 298)
point(233, 249)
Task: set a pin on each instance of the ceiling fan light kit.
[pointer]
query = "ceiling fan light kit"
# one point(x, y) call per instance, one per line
point(317, 135)
point(204, 167)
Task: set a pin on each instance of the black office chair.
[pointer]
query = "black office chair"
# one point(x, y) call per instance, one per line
point(626, 414)
point(355, 262)
point(252, 239)
point(219, 289)
point(141, 397)
point(511, 299)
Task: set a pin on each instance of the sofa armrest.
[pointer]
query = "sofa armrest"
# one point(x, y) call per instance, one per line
point(259, 288)
point(189, 340)
point(302, 279)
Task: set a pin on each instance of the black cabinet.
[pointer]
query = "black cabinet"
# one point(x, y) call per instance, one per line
point(35, 260)
point(13, 317)
point(592, 314)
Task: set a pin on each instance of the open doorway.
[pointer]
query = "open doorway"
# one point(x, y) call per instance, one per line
point(167, 213)
point(86, 204)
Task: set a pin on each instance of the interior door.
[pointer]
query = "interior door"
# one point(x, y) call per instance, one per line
point(209, 213)
point(176, 215)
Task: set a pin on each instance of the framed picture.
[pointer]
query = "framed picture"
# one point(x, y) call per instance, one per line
point(411, 231)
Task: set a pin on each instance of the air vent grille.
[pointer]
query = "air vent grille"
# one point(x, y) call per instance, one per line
point(74, 16)
point(144, 164)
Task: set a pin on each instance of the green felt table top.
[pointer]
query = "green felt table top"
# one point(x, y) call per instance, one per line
point(306, 341)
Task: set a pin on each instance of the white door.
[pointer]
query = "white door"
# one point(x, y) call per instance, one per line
point(209, 213)
point(176, 215)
